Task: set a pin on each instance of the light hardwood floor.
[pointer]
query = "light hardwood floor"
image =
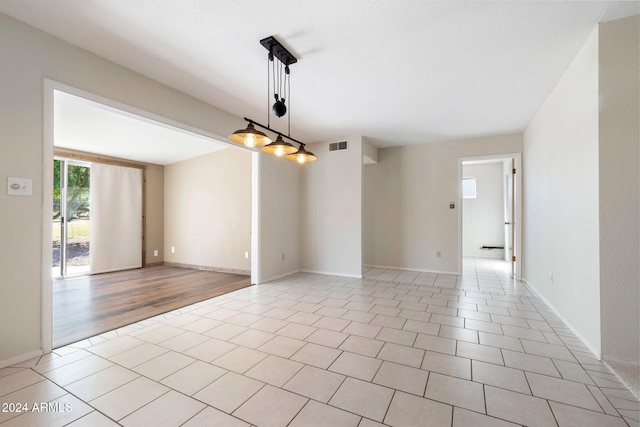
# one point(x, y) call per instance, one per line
point(90, 305)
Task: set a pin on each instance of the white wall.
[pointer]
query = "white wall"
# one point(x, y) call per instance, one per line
point(483, 217)
point(619, 183)
point(406, 200)
point(207, 211)
point(279, 224)
point(28, 57)
point(560, 164)
point(332, 210)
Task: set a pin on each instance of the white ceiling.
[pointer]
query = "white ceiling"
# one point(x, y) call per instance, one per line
point(398, 72)
point(84, 125)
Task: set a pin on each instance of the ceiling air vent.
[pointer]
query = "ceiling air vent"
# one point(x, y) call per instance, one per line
point(336, 146)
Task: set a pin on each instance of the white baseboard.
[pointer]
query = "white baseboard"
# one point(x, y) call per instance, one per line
point(280, 276)
point(413, 269)
point(627, 371)
point(208, 268)
point(486, 255)
point(586, 342)
point(627, 362)
point(331, 273)
point(22, 358)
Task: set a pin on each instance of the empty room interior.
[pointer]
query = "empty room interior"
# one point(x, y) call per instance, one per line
point(382, 213)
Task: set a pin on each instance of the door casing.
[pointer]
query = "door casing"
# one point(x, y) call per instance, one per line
point(517, 208)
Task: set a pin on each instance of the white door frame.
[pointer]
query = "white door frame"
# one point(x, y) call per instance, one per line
point(49, 87)
point(517, 206)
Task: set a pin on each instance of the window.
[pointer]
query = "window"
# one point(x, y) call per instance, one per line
point(469, 188)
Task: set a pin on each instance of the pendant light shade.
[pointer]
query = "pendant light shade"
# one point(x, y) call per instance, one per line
point(251, 137)
point(302, 156)
point(279, 147)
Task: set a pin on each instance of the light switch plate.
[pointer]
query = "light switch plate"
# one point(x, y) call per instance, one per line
point(19, 186)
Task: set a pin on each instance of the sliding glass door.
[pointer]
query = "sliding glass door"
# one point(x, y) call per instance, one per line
point(71, 218)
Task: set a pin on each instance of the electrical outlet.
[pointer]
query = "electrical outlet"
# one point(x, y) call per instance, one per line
point(155, 252)
point(246, 255)
point(173, 249)
point(438, 254)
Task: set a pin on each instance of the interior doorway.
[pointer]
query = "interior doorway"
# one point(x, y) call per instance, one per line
point(155, 130)
point(490, 209)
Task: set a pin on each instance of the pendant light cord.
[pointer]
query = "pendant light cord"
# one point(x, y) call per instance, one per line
point(288, 79)
point(280, 83)
point(269, 59)
point(275, 79)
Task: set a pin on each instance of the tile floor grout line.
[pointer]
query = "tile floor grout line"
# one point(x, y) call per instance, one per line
point(89, 413)
point(424, 391)
point(386, 412)
point(26, 386)
point(327, 403)
point(604, 411)
point(195, 415)
point(484, 399)
point(130, 381)
point(146, 404)
point(300, 410)
point(85, 401)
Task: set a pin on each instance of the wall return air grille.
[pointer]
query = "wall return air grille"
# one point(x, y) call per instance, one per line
point(337, 146)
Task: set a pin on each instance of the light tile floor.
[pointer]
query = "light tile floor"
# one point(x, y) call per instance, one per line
point(396, 348)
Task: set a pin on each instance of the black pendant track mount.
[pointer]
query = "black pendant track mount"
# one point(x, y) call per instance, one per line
point(274, 46)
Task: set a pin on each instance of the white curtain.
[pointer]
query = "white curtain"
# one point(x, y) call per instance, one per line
point(116, 218)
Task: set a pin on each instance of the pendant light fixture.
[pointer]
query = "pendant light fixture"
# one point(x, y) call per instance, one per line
point(302, 156)
point(251, 137)
point(279, 147)
point(281, 73)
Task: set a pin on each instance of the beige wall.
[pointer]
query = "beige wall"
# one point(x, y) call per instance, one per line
point(369, 152)
point(154, 214)
point(406, 200)
point(560, 164)
point(332, 210)
point(207, 211)
point(619, 183)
